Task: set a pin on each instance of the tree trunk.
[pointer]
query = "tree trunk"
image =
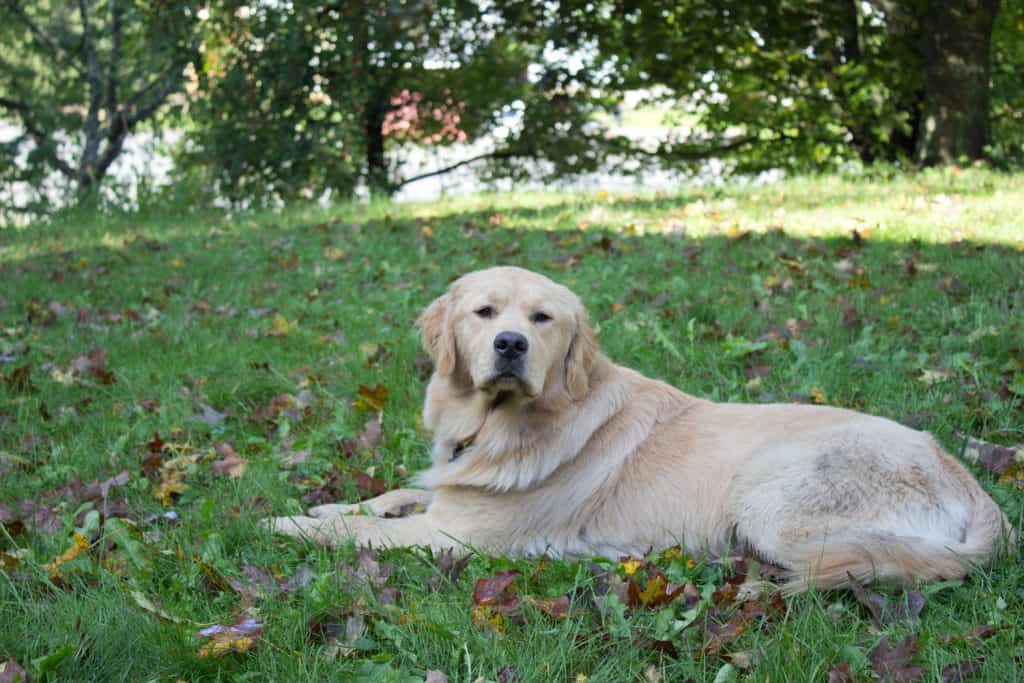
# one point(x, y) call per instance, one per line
point(373, 129)
point(957, 36)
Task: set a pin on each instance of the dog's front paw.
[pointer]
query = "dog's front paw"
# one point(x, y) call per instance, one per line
point(297, 526)
point(330, 531)
point(335, 509)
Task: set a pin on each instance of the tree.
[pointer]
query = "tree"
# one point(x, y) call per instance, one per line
point(812, 83)
point(87, 74)
point(329, 93)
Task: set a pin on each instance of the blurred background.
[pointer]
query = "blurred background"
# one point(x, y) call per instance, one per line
point(126, 103)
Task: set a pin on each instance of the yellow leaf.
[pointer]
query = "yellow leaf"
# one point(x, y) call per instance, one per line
point(178, 262)
point(655, 588)
point(172, 483)
point(372, 399)
point(75, 551)
point(223, 646)
point(282, 326)
point(334, 253)
point(818, 396)
point(930, 377)
point(485, 618)
point(861, 281)
point(630, 565)
point(674, 551)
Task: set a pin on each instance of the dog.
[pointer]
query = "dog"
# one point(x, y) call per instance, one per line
point(542, 445)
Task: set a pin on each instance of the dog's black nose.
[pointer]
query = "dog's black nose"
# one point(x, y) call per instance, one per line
point(510, 345)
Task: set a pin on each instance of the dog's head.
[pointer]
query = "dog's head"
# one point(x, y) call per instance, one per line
point(510, 330)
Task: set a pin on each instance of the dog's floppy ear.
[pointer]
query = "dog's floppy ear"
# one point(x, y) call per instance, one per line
point(438, 337)
point(580, 359)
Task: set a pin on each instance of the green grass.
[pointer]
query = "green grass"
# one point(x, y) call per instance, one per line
point(919, 319)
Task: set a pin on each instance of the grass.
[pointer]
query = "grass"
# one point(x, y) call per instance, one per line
point(739, 294)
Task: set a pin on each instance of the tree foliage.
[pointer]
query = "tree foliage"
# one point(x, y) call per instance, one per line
point(298, 98)
point(78, 78)
point(817, 84)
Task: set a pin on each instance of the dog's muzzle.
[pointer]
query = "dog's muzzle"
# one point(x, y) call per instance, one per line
point(510, 357)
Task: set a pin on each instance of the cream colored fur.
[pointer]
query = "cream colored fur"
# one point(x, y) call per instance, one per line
point(581, 456)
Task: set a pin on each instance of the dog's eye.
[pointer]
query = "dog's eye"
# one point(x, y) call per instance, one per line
point(540, 317)
point(485, 312)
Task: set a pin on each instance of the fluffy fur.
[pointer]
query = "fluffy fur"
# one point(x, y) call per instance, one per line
point(569, 454)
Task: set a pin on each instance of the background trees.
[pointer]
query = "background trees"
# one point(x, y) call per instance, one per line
point(79, 77)
point(289, 100)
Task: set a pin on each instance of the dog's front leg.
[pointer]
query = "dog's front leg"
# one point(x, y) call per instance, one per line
point(396, 503)
point(376, 532)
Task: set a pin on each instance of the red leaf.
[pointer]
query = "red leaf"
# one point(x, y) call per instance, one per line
point(556, 608)
point(893, 664)
point(11, 672)
point(497, 592)
point(961, 671)
point(840, 673)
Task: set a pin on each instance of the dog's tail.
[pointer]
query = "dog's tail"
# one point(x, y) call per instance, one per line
point(878, 555)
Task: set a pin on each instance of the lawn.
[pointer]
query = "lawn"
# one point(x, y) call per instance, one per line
point(169, 379)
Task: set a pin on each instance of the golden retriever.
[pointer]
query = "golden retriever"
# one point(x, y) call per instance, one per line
point(542, 445)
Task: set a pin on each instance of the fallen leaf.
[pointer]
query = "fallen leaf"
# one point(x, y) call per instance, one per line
point(145, 603)
point(151, 405)
point(556, 608)
point(230, 463)
point(281, 326)
point(92, 364)
point(840, 673)
point(369, 569)
point(339, 631)
point(364, 442)
point(893, 664)
point(293, 458)
point(81, 544)
point(209, 415)
point(508, 674)
point(934, 375)
point(906, 607)
point(448, 569)
point(745, 659)
point(154, 456)
point(497, 592)
point(368, 486)
point(977, 633)
point(241, 637)
point(435, 676)
point(11, 672)
point(19, 380)
point(952, 286)
point(961, 671)
point(372, 399)
point(721, 635)
point(993, 457)
point(630, 565)
point(172, 483)
point(494, 600)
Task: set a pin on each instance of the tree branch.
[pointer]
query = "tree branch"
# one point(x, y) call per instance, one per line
point(696, 152)
point(115, 55)
point(41, 37)
point(37, 134)
point(465, 162)
point(170, 84)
